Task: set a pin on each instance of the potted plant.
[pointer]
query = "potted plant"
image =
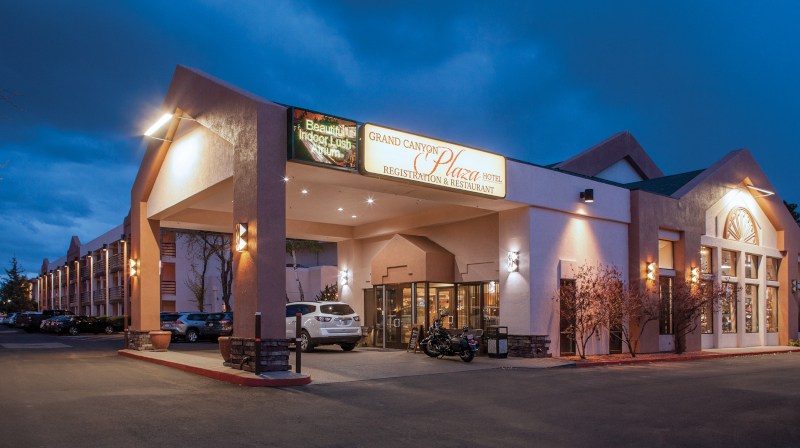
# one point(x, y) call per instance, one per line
point(225, 347)
point(160, 340)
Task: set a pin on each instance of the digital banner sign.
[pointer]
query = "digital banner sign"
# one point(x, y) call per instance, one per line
point(323, 139)
point(386, 152)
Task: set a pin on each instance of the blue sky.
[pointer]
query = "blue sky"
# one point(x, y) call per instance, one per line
point(537, 81)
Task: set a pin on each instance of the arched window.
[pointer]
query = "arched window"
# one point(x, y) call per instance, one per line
point(740, 226)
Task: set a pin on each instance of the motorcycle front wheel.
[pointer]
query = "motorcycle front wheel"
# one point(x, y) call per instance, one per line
point(466, 355)
point(428, 350)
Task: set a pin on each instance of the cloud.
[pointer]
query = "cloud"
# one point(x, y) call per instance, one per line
point(534, 81)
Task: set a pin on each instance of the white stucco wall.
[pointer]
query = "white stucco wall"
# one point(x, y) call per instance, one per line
point(196, 160)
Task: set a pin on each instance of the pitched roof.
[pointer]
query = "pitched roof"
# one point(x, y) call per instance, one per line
point(666, 185)
point(619, 146)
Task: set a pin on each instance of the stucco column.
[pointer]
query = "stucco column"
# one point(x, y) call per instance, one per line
point(259, 200)
point(349, 259)
point(515, 289)
point(787, 300)
point(146, 285)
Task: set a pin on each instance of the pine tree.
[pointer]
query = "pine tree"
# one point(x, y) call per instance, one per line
point(793, 210)
point(15, 291)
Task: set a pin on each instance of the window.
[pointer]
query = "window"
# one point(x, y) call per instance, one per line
point(706, 259)
point(751, 266)
point(772, 268)
point(491, 304)
point(727, 265)
point(420, 303)
point(567, 334)
point(665, 255)
point(729, 308)
point(751, 308)
point(469, 307)
point(336, 310)
point(772, 309)
point(665, 295)
point(707, 316)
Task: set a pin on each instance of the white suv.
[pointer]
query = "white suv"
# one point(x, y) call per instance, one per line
point(323, 323)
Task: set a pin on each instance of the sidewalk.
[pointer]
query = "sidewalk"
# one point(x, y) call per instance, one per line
point(212, 368)
point(607, 360)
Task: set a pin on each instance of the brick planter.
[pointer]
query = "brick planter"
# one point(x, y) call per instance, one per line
point(524, 346)
point(139, 340)
point(274, 354)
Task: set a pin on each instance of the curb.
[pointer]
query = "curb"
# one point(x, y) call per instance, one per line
point(222, 376)
point(678, 358)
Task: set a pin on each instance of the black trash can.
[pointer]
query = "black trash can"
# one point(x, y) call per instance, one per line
point(497, 339)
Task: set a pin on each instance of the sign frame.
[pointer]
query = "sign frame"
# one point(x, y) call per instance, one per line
point(415, 338)
point(290, 150)
point(363, 171)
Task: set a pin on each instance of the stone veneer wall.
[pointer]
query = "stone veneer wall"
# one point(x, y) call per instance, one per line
point(139, 340)
point(274, 354)
point(523, 346)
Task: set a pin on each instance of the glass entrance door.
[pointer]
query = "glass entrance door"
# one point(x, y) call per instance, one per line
point(398, 317)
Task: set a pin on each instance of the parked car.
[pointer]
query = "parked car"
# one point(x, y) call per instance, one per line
point(9, 320)
point(188, 326)
point(48, 325)
point(219, 324)
point(30, 322)
point(73, 325)
point(323, 323)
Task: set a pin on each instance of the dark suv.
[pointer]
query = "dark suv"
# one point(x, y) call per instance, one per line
point(30, 322)
point(219, 324)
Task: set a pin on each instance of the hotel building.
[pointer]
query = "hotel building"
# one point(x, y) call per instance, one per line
point(422, 225)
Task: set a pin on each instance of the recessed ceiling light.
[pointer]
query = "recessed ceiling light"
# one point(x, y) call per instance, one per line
point(370, 201)
point(305, 191)
point(286, 179)
point(354, 216)
point(341, 209)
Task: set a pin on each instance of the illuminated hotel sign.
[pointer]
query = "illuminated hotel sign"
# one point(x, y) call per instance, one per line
point(323, 139)
point(386, 152)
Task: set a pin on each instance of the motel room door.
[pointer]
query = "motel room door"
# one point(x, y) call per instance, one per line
point(398, 317)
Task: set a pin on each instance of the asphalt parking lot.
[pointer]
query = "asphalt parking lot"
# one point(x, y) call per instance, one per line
point(81, 393)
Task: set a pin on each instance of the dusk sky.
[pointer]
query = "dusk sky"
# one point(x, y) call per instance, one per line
point(536, 81)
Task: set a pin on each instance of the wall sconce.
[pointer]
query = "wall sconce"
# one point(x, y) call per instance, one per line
point(513, 261)
point(695, 275)
point(241, 237)
point(134, 268)
point(651, 271)
point(587, 195)
point(794, 285)
point(343, 277)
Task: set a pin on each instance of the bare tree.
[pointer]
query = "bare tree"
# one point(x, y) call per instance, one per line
point(583, 304)
point(292, 247)
point(687, 304)
point(8, 96)
point(630, 309)
point(200, 247)
point(224, 254)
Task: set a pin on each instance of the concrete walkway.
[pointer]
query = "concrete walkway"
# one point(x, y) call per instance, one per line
point(693, 356)
point(213, 368)
point(753, 350)
point(332, 365)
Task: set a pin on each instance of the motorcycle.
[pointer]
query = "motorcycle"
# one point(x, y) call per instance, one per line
point(440, 343)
